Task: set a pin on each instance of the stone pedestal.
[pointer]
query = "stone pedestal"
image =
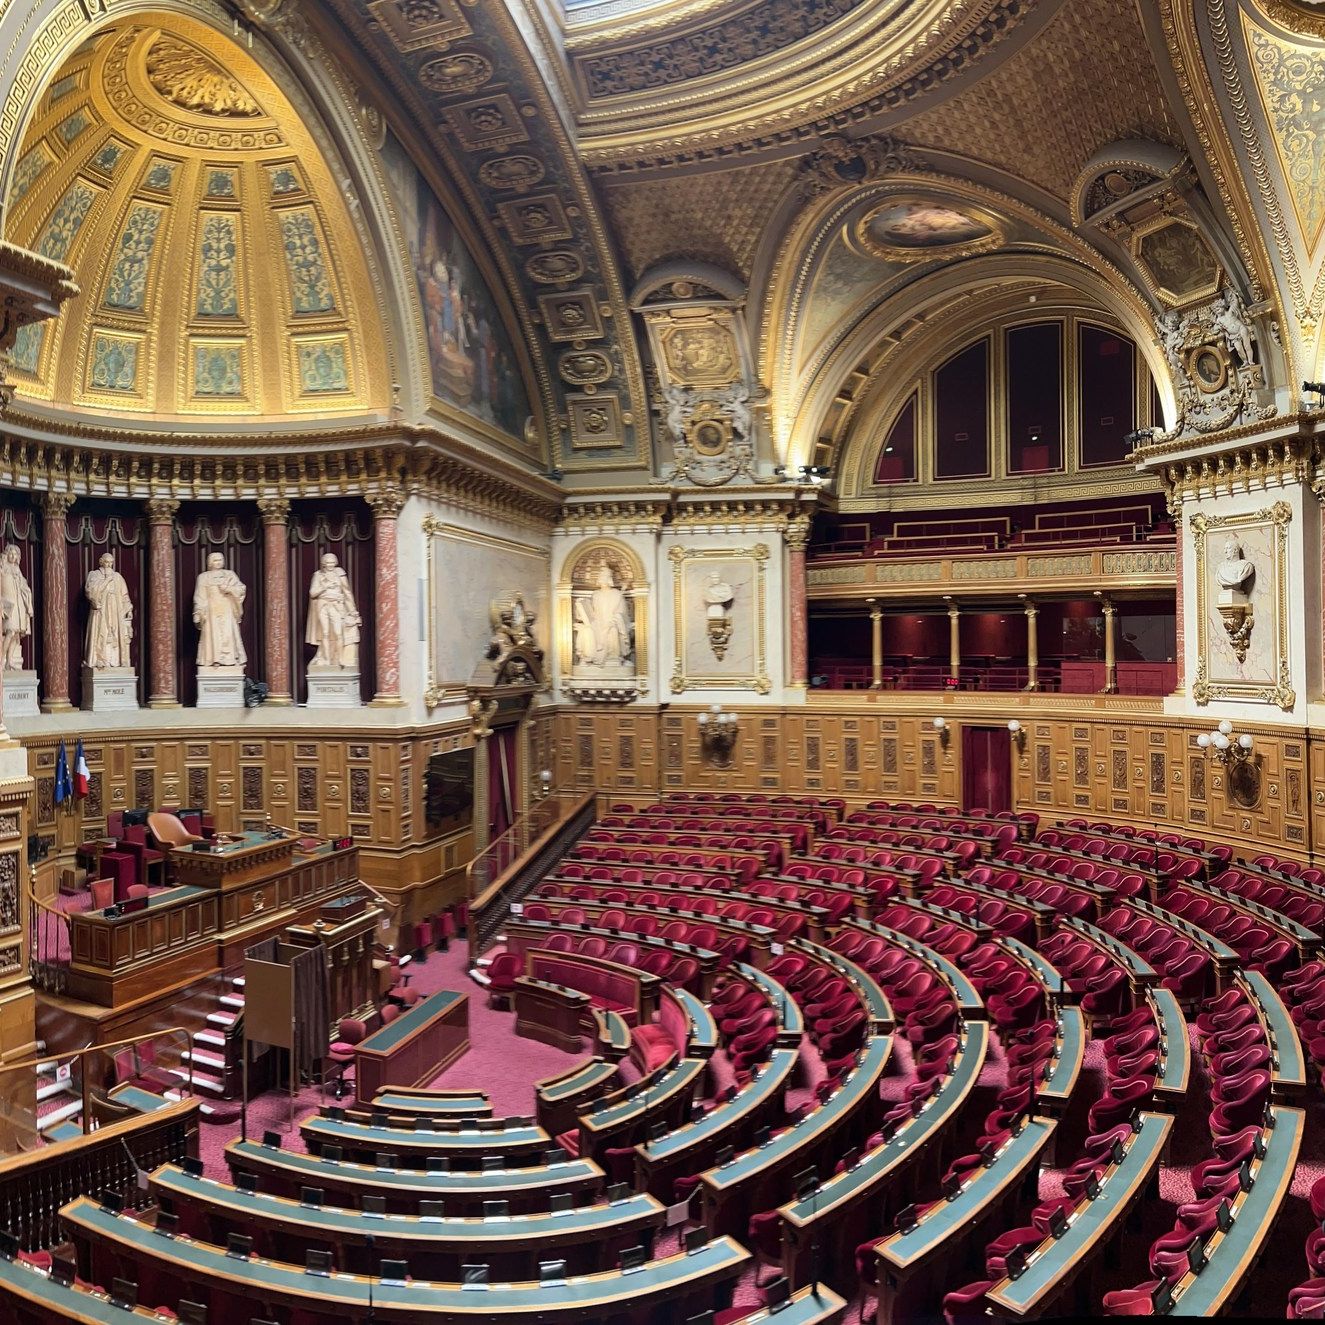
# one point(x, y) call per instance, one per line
point(21, 695)
point(220, 687)
point(333, 688)
point(110, 689)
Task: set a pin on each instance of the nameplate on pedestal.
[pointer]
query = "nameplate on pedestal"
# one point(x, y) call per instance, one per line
point(333, 688)
point(108, 689)
point(220, 687)
point(21, 695)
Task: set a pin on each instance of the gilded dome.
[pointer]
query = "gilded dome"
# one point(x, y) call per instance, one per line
point(219, 269)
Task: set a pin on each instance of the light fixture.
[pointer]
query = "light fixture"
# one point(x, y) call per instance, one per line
point(1227, 748)
point(941, 726)
point(1017, 732)
point(1140, 436)
point(815, 474)
point(717, 735)
point(544, 784)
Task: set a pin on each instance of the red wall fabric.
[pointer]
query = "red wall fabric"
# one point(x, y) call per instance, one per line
point(986, 769)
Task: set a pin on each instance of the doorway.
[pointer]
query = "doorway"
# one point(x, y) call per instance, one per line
point(986, 769)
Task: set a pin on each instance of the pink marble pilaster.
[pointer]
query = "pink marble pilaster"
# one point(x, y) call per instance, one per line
point(798, 535)
point(55, 601)
point(1179, 634)
point(276, 597)
point(386, 505)
point(163, 690)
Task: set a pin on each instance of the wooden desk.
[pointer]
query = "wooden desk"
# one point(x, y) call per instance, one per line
point(286, 1171)
point(561, 1099)
point(347, 949)
point(464, 1146)
point(414, 1048)
point(679, 1284)
point(550, 1013)
point(227, 864)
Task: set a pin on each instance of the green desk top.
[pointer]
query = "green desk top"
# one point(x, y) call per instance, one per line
point(1091, 1222)
point(680, 1077)
point(135, 1097)
point(968, 1000)
point(612, 1027)
point(791, 1021)
point(948, 1219)
point(70, 1303)
point(490, 1141)
point(1217, 948)
point(586, 1076)
point(313, 1171)
point(1047, 973)
point(152, 902)
point(942, 1108)
point(355, 1225)
point(1231, 1254)
point(806, 1307)
point(860, 1083)
point(1177, 1047)
point(772, 1078)
point(1063, 1073)
point(384, 1040)
point(550, 986)
point(1136, 966)
point(476, 1105)
point(1299, 933)
point(876, 1001)
point(248, 838)
point(1290, 1067)
point(703, 1029)
point(347, 1294)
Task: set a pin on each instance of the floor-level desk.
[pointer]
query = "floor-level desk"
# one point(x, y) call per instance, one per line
point(464, 1147)
point(666, 1290)
point(414, 1048)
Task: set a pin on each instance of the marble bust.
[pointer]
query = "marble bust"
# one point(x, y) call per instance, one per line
point(1235, 571)
point(218, 609)
point(15, 610)
point(110, 623)
point(333, 619)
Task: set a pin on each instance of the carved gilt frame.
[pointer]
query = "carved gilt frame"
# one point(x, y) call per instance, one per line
point(1204, 689)
point(682, 680)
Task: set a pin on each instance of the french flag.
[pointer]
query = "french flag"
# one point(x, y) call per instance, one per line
point(81, 774)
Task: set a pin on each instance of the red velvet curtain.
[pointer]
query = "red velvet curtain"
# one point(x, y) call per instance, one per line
point(344, 527)
point(20, 524)
point(93, 528)
point(502, 775)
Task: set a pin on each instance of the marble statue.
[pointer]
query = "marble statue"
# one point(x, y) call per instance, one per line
point(218, 608)
point(110, 624)
point(1235, 571)
point(333, 619)
point(718, 596)
point(604, 634)
point(15, 610)
point(1231, 319)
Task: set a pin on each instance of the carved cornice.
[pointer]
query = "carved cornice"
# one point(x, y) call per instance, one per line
point(787, 510)
point(1252, 467)
point(274, 510)
point(162, 510)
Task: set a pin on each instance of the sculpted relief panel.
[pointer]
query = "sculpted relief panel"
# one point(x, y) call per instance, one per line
point(603, 624)
point(719, 601)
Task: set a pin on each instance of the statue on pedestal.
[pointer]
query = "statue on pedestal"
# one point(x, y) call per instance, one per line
point(333, 619)
point(15, 610)
point(218, 609)
point(604, 632)
point(110, 625)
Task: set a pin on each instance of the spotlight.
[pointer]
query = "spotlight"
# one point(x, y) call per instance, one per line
point(1316, 388)
point(814, 473)
point(1140, 436)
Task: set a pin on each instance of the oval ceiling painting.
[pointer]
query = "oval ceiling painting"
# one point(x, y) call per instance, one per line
point(917, 229)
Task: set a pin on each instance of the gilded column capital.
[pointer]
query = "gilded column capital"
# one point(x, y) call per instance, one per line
point(274, 510)
point(54, 505)
point(161, 510)
point(385, 503)
point(798, 534)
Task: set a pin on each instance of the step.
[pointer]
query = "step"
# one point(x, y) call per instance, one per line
point(222, 1019)
point(174, 1096)
point(202, 1082)
point(214, 1039)
point(237, 982)
point(56, 1116)
point(235, 1001)
point(200, 1058)
point(49, 1088)
point(479, 977)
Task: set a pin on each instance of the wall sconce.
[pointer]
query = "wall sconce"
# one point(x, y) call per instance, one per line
point(544, 784)
point(1018, 733)
point(941, 726)
point(717, 735)
point(1227, 748)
